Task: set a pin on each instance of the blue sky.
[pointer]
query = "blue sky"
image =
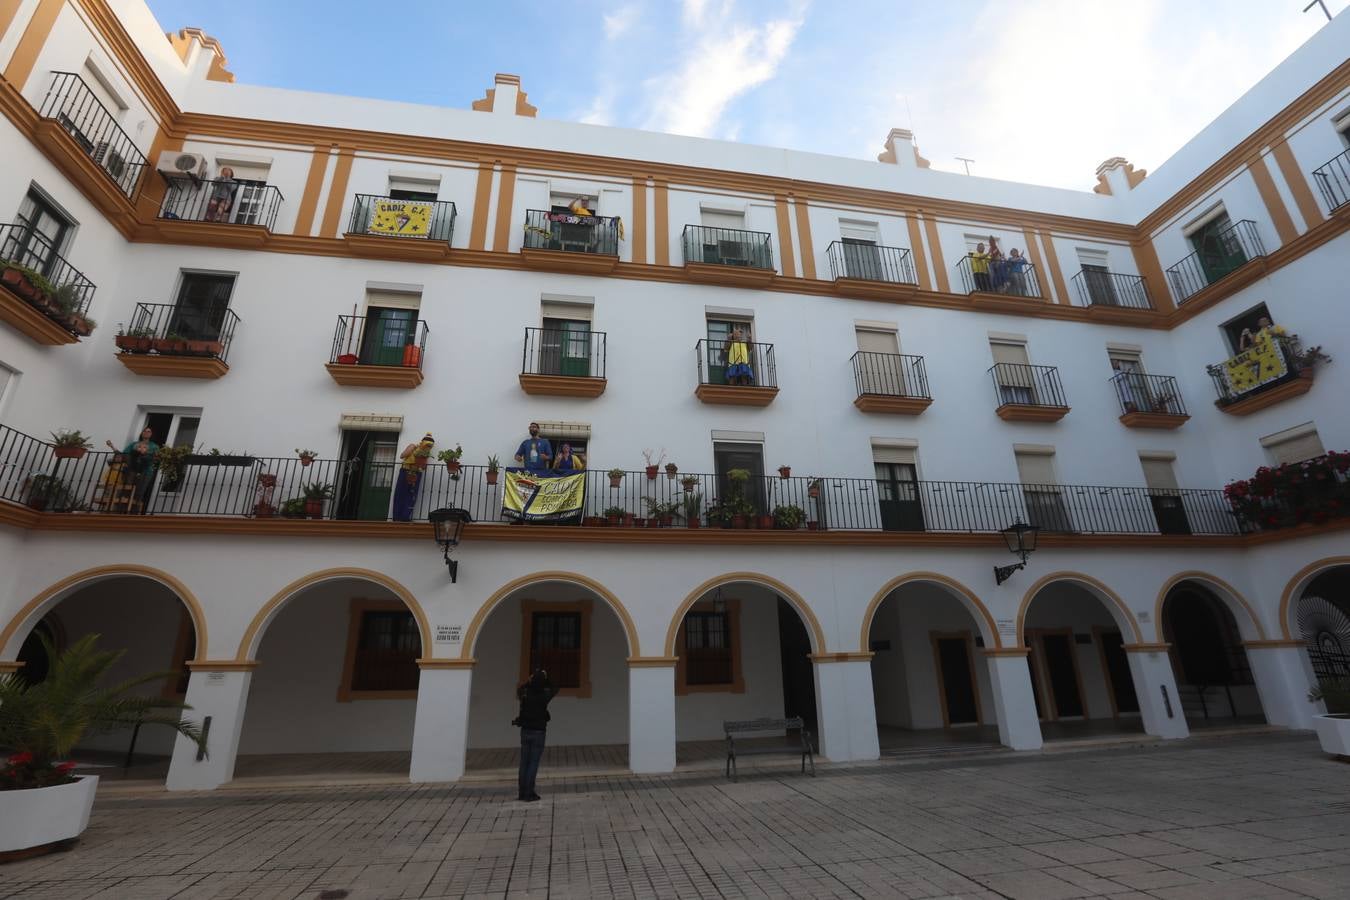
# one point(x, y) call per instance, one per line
point(1032, 90)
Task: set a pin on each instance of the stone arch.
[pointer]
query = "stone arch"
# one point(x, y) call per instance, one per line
point(35, 609)
point(813, 627)
point(1249, 623)
point(978, 611)
point(1298, 584)
point(506, 590)
point(248, 644)
point(1119, 611)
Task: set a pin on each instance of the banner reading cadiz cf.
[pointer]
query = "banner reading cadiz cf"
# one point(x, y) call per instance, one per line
point(1257, 365)
point(543, 496)
point(400, 217)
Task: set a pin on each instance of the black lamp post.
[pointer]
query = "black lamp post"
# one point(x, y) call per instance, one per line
point(1021, 539)
point(448, 524)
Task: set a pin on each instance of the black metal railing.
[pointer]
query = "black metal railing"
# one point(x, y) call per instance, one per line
point(1023, 385)
point(1138, 392)
point(719, 363)
point(1333, 180)
point(72, 105)
point(59, 290)
point(428, 220)
point(727, 247)
point(572, 233)
point(169, 329)
point(1016, 277)
point(1329, 666)
point(245, 485)
point(890, 374)
point(223, 200)
point(549, 351)
point(1223, 252)
point(1230, 376)
point(870, 262)
point(379, 341)
point(1097, 287)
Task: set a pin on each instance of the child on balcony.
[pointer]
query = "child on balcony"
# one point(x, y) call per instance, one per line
point(738, 360)
point(221, 202)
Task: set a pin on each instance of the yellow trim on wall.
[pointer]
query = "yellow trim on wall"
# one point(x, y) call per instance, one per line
point(813, 627)
point(8, 10)
point(590, 584)
point(1212, 582)
point(787, 257)
point(25, 54)
point(865, 635)
point(337, 193)
point(1270, 197)
point(482, 196)
point(1085, 581)
point(935, 254)
point(309, 201)
point(916, 252)
point(506, 196)
point(804, 238)
point(639, 244)
point(661, 213)
point(1298, 184)
point(1052, 262)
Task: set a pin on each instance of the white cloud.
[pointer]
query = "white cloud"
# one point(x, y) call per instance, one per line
point(617, 23)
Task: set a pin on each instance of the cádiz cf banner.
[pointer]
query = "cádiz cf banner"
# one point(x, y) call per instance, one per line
point(1259, 364)
point(543, 496)
point(400, 217)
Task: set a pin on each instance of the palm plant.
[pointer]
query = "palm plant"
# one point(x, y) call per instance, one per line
point(41, 723)
point(1335, 693)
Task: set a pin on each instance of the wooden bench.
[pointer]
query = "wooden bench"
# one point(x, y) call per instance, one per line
point(763, 727)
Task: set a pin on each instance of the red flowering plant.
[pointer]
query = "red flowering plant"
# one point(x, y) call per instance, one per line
point(42, 722)
point(1313, 491)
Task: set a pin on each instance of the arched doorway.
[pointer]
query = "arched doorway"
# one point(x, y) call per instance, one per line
point(1322, 621)
point(1213, 676)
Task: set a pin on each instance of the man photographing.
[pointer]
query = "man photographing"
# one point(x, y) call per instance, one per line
point(534, 696)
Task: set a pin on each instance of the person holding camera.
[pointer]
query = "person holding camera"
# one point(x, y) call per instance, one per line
point(534, 696)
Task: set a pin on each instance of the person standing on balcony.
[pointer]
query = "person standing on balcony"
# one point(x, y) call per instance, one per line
point(567, 461)
point(738, 359)
point(221, 201)
point(534, 696)
point(139, 465)
point(409, 481)
point(998, 266)
point(535, 453)
point(1017, 268)
point(979, 267)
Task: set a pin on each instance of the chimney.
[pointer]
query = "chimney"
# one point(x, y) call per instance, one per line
point(202, 54)
point(1117, 177)
point(901, 150)
point(505, 97)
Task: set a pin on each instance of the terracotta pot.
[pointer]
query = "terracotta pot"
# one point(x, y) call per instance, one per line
point(740, 522)
point(594, 521)
point(11, 276)
point(614, 521)
point(671, 473)
point(651, 472)
point(421, 462)
point(132, 344)
point(451, 465)
point(412, 356)
point(267, 480)
point(170, 346)
point(491, 476)
point(635, 521)
point(764, 522)
point(68, 452)
point(614, 480)
point(813, 492)
point(627, 520)
point(692, 523)
point(666, 521)
point(314, 509)
point(346, 359)
point(204, 348)
point(306, 460)
point(263, 510)
point(785, 471)
point(812, 526)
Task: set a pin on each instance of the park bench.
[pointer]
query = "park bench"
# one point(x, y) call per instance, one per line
point(767, 727)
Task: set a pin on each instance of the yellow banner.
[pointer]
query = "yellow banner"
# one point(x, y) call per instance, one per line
point(540, 497)
point(1259, 364)
point(400, 217)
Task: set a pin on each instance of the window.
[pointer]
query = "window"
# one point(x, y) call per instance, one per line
point(576, 435)
point(747, 498)
point(41, 233)
point(1131, 385)
point(1248, 321)
point(1045, 504)
point(9, 383)
point(199, 310)
point(1294, 445)
point(416, 189)
point(879, 369)
point(1012, 372)
point(897, 488)
point(383, 644)
point(1097, 277)
point(390, 326)
point(557, 639)
point(565, 341)
point(1163, 492)
point(710, 649)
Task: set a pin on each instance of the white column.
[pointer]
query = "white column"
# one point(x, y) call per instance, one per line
point(846, 711)
point(651, 715)
point(1283, 675)
point(220, 696)
point(1156, 688)
point(441, 729)
point(1014, 702)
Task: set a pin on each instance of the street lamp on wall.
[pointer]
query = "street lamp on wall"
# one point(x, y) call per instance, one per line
point(448, 524)
point(1021, 539)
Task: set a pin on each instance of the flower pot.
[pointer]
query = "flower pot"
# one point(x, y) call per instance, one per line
point(264, 510)
point(38, 817)
point(451, 465)
point(491, 476)
point(594, 521)
point(346, 359)
point(614, 521)
point(169, 346)
point(653, 522)
point(306, 460)
point(129, 344)
point(812, 526)
point(636, 521)
point(813, 493)
point(412, 356)
point(267, 479)
point(1333, 733)
point(11, 277)
point(785, 471)
point(203, 348)
point(692, 523)
point(651, 472)
point(614, 480)
point(68, 452)
point(421, 462)
point(80, 325)
point(740, 522)
point(314, 509)
point(666, 521)
point(764, 522)
point(30, 292)
point(671, 472)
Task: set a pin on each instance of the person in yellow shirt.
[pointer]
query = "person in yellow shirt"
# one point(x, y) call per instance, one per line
point(979, 267)
point(738, 360)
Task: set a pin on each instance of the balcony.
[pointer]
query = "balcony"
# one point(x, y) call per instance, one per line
point(1273, 370)
point(220, 213)
point(999, 284)
point(566, 242)
point(890, 383)
point(1225, 252)
point(384, 351)
point(1110, 296)
point(563, 363)
point(871, 271)
point(85, 140)
point(1149, 401)
point(177, 341)
point(1028, 393)
point(413, 230)
point(1333, 180)
point(728, 256)
point(41, 295)
point(720, 382)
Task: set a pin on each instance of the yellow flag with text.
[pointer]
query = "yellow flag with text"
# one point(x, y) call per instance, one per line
point(1257, 365)
point(400, 217)
point(543, 496)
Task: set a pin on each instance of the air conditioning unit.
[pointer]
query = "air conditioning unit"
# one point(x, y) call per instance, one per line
point(176, 164)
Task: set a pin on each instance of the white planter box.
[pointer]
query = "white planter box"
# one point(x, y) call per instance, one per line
point(43, 815)
point(1334, 733)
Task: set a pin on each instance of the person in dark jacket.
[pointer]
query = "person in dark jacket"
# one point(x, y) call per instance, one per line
point(534, 696)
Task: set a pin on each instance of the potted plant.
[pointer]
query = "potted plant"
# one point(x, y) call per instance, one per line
point(653, 467)
point(172, 461)
point(194, 347)
point(813, 488)
point(347, 359)
point(594, 521)
point(785, 471)
point(741, 513)
point(216, 457)
point(42, 804)
point(493, 467)
point(788, 517)
point(689, 482)
point(267, 479)
point(315, 494)
point(660, 515)
point(764, 521)
point(614, 516)
point(264, 510)
point(449, 457)
point(69, 444)
point(615, 476)
point(1333, 728)
point(306, 456)
point(718, 514)
point(691, 503)
point(671, 470)
point(47, 492)
point(135, 340)
point(172, 344)
point(293, 508)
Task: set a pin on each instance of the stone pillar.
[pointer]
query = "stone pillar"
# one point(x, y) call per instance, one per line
point(651, 714)
point(441, 728)
point(1283, 674)
point(1156, 688)
point(846, 712)
point(217, 690)
point(1014, 702)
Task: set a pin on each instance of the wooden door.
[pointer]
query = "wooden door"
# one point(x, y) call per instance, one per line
point(956, 679)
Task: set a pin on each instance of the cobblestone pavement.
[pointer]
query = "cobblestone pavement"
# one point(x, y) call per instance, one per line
point(1257, 816)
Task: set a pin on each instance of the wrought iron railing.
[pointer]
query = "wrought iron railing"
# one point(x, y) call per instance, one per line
point(1329, 666)
point(890, 374)
point(870, 262)
point(1024, 385)
point(572, 233)
point(1016, 277)
point(61, 291)
point(549, 351)
point(1097, 287)
point(1333, 180)
point(168, 329)
point(727, 247)
point(717, 363)
point(1224, 251)
point(1286, 364)
point(427, 220)
point(223, 200)
point(379, 341)
point(72, 105)
point(1138, 392)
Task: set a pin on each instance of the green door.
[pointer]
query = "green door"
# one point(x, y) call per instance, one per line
point(1219, 249)
point(377, 479)
point(565, 348)
point(387, 333)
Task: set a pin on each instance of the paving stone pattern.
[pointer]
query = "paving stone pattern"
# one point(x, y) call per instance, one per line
point(1251, 817)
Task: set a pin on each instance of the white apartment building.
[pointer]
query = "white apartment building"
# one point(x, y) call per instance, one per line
point(273, 269)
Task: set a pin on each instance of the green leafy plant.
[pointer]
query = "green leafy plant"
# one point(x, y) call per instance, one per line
point(35, 278)
point(738, 477)
point(446, 455)
point(789, 516)
point(718, 514)
point(691, 503)
point(1334, 693)
point(172, 461)
point(71, 438)
point(659, 510)
point(43, 722)
point(616, 472)
point(293, 508)
point(615, 512)
point(49, 492)
point(67, 298)
point(317, 490)
point(493, 463)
